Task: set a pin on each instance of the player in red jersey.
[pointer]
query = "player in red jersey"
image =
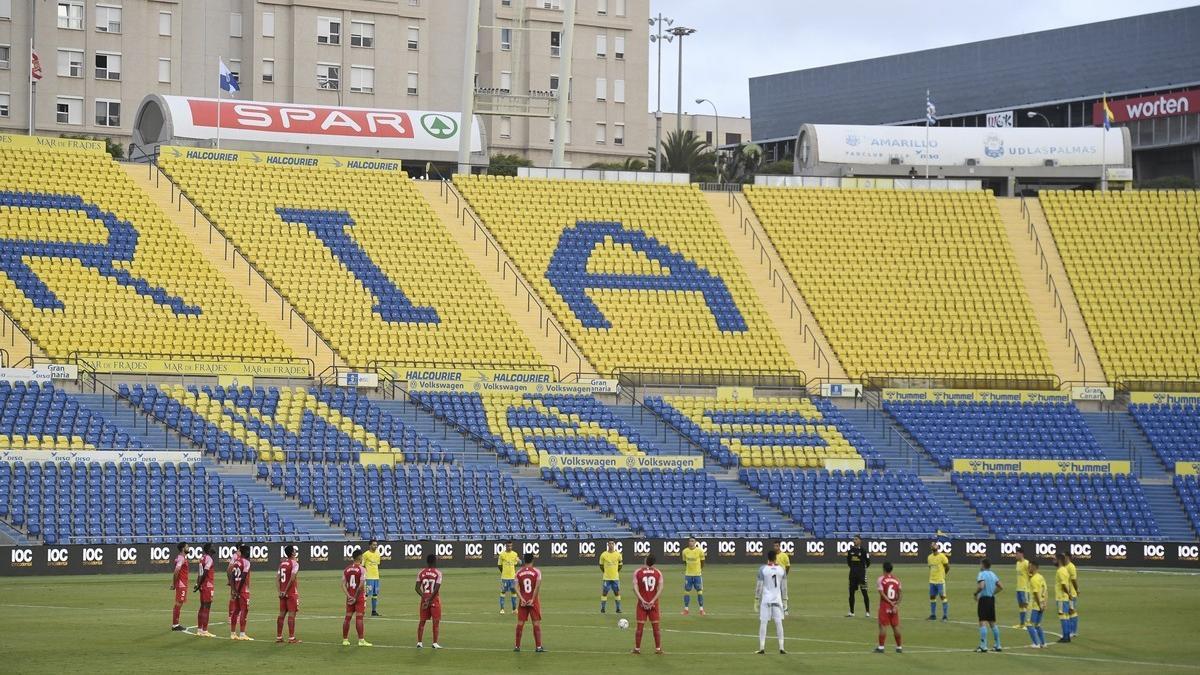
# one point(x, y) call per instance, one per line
point(429, 586)
point(289, 594)
point(648, 585)
point(239, 593)
point(529, 587)
point(179, 583)
point(353, 583)
point(205, 586)
point(889, 607)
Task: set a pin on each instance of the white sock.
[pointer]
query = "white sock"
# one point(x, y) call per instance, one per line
point(778, 631)
point(762, 634)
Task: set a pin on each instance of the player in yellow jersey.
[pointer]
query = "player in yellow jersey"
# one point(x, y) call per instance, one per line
point(939, 567)
point(610, 578)
point(370, 563)
point(1062, 595)
point(1074, 594)
point(507, 562)
point(1022, 586)
point(1037, 596)
point(693, 561)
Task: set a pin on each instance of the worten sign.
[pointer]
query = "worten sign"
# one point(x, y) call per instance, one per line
point(410, 555)
point(260, 121)
point(1149, 107)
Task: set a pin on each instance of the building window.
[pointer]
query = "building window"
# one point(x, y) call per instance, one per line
point(70, 63)
point(505, 127)
point(620, 7)
point(505, 39)
point(164, 71)
point(108, 66)
point(412, 84)
point(4, 55)
point(619, 47)
point(619, 91)
point(601, 132)
point(235, 25)
point(555, 43)
point(164, 24)
point(618, 134)
point(70, 16)
point(108, 113)
point(505, 81)
point(235, 70)
point(601, 46)
point(733, 139)
point(362, 34)
point(414, 38)
point(329, 76)
point(268, 70)
point(414, 3)
point(553, 83)
point(108, 19)
point(601, 88)
point(362, 79)
point(68, 110)
point(268, 24)
point(5, 12)
point(506, 3)
point(602, 6)
point(329, 31)
point(4, 102)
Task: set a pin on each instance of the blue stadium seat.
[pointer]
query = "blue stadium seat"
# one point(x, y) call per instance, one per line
point(1173, 430)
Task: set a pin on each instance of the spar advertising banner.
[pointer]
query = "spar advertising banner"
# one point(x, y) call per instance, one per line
point(263, 122)
point(409, 555)
point(946, 146)
point(1148, 107)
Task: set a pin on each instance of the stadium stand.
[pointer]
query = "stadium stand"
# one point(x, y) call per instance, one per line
point(640, 276)
point(1131, 257)
point(362, 257)
point(291, 424)
point(1188, 488)
point(88, 263)
point(42, 417)
point(1045, 506)
point(1173, 430)
point(665, 503)
point(846, 503)
point(765, 431)
point(906, 281)
point(519, 426)
point(389, 502)
point(997, 430)
point(90, 502)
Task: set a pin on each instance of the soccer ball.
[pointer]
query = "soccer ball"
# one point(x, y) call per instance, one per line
point(623, 624)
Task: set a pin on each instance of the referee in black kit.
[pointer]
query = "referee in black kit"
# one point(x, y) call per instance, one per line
point(858, 560)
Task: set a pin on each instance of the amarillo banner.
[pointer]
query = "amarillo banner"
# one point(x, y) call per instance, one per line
point(1165, 398)
point(279, 159)
point(608, 462)
point(198, 367)
point(1187, 468)
point(26, 142)
point(974, 396)
point(1085, 466)
point(485, 380)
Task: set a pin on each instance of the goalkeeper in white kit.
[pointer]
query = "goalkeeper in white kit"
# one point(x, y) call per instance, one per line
point(771, 600)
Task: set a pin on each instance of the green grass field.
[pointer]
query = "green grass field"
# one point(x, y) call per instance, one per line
point(1129, 622)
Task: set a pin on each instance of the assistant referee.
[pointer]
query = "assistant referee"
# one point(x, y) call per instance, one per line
point(858, 560)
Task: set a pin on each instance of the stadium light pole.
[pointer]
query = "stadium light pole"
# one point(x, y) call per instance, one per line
point(658, 39)
point(716, 134)
point(1033, 114)
point(680, 32)
point(557, 154)
point(466, 126)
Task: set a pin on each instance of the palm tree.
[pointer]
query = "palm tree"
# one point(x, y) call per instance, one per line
point(741, 164)
point(686, 153)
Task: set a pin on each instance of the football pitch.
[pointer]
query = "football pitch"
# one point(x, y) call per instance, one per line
point(1129, 622)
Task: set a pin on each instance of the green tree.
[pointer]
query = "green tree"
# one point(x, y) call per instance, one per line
point(782, 167)
point(507, 165)
point(630, 164)
point(742, 163)
point(686, 153)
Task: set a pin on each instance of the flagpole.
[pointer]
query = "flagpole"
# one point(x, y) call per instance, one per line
point(220, 88)
point(31, 83)
point(1104, 146)
point(926, 139)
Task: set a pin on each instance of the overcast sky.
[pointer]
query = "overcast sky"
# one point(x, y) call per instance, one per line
point(738, 39)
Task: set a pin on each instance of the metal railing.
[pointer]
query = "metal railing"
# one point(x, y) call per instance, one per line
point(959, 380)
point(633, 377)
point(10, 329)
point(1056, 298)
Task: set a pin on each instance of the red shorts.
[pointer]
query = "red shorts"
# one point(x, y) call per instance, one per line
point(530, 612)
point(644, 615)
point(289, 604)
point(433, 611)
point(889, 616)
point(357, 607)
point(206, 594)
point(180, 594)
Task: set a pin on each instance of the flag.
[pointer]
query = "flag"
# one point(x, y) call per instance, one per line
point(1108, 114)
point(930, 110)
point(35, 66)
point(229, 81)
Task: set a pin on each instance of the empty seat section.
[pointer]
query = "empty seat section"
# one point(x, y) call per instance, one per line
point(640, 276)
point(1049, 506)
point(421, 501)
point(519, 426)
point(1133, 258)
point(122, 502)
point(362, 257)
point(846, 503)
point(669, 504)
point(997, 430)
point(906, 281)
point(1173, 429)
point(42, 417)
point(1188, 488)
point(88, 263)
